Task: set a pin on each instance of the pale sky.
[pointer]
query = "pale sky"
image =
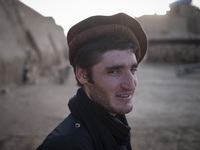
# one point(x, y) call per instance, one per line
point(69, 12)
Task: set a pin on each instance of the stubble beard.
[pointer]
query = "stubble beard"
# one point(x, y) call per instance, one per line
point(101, 97)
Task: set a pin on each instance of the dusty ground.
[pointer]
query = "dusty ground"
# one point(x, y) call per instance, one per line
point(166, 113)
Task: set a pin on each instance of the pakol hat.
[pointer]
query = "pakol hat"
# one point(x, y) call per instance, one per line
point(96, 26)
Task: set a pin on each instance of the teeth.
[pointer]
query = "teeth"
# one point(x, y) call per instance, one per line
point(124, 95)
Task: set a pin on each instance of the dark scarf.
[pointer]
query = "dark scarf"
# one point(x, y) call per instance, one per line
point(107, 132)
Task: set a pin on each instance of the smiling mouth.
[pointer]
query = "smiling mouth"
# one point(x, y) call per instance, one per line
point(123, 96)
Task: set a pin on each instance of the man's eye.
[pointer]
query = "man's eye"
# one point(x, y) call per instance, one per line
point(113, 72)
point(133, 70)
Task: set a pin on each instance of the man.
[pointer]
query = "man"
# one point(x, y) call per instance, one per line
point(105, 52)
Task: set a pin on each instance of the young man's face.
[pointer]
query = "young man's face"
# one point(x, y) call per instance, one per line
point(114, 81)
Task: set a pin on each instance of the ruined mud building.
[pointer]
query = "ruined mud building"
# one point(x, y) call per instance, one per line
point(30, 44)
point(174, 37)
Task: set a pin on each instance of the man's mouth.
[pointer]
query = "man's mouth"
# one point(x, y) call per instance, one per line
point(127, 95)
point(123, 96)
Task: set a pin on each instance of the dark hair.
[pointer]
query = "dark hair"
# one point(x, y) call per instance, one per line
point(91, 53)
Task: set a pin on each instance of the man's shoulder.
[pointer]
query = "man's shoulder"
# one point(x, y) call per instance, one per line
point(70, 134)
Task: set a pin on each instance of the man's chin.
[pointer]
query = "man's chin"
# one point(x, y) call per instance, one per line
point(123, 111)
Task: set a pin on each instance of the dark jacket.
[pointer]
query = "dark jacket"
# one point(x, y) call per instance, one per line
point(88, 127)
point(68, 135)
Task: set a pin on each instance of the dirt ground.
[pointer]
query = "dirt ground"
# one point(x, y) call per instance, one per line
point(166, 114)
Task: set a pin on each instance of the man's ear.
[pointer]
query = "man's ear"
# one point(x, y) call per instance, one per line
point(81, 75)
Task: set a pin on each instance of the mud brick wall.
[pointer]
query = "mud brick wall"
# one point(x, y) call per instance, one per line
point(28, 42)
point(185, 51)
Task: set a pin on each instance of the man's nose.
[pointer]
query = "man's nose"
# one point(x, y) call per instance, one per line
point(129, 81)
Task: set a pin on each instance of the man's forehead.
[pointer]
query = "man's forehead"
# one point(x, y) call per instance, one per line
point(118, 58)
point(118, 54)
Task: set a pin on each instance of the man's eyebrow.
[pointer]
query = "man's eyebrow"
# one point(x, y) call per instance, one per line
point(115, 67)
point(135, 65)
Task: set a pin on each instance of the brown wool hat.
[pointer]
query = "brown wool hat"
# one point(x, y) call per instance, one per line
point(96, 26)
